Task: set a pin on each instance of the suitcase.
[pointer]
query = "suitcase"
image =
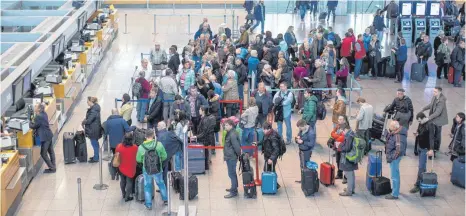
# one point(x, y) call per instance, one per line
point(309, 180)
point(390, 71)
point(379, 185)
point(451, 75)
point(417, 72)
point(68, 148)
point(457, 172)
point(176, 179)
point(81, 147)
point(382, 65)
point(429, 182)
point(374, 168)
point(327, 171)
point(196, 160)
point(112, 170)
point(193, 188)
point(249, 185)
point(269, 182)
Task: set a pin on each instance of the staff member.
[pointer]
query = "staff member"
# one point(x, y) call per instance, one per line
point(41, 127)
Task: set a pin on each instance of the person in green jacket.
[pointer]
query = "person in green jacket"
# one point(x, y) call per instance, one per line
point(151, 143)
point(310, 108)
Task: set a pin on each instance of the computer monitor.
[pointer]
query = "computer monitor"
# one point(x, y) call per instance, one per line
point(406, 8)
point(27, 82)
point(420, 9)
point(17, 90)
point(435, 9)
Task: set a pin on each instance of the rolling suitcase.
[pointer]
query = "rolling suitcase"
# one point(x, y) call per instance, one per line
point(374, 168)
point(457, 172)
point(139, 192)
point(451, 75)
point(269, 182)
point(196, 160)
point(80, 148)
point(390, 70)
point(429, 182)
point(309, 180)
point(176, 180)
point(249, 185)
point(382, 66)
point(380, 185)
point(327, 171)
point(417, 72)
point(68, 148)
point(193, 188)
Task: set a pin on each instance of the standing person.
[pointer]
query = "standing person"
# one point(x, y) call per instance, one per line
point(242, 74)
point(331, 8)
point(230, 92)
point(318, 45)
point(374, 55)
point(364, 119)
point(287, 98)
point(306, 141)
point(299, 73)
point(253, 63)
point(425, 146)
point(344, 147)
point(313, 8)
point(186, 78)
point(339, 108)
point(457, 146)
point(437, 115)
point(181, 121)
point(457, 61)
point(249, 118)
point(259, 15)
point(401, 56)
point(359, 55)
point(152, 172)
point(93, 126)
point(331, 64)
point(392, 15)
point(155, 112)
point(438, 41)
point(342, 74)
point(248, 6)
point(423, 52)
point(141, 106)
point(347, 46)
point(172, 145)
point(420, 39)
point(291, 41)
point(196, 101)
point(395, 149)
point(205, 131)
point(442, 58)
point(338, 136)
point(379, 24)
point(270, 148)
point(319, 79)
point(115, 128)
point(367, 37)
point(402, 107)
point(231, 152)
point(174, 61)
point(158, 57)
point(310, 108)
point(264, 103)
point(302, 7)
point(169, 90)
point(42, 128)
point(126, 109)
point(127, 152)
point(180, 104)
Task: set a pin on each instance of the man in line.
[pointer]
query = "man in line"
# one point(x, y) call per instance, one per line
point(395, 149)
point(424, 52)
point(364, 121)
point(115, 129)
point(306, 141)
point(287, 98)
point(171, 143)
point(270, 148)
point(457, 61)
point(158, 57)
point(155, 113)
point(264, 102)
point(402, 107)
point(42, 128)
point(169, 89)
point(231, 152)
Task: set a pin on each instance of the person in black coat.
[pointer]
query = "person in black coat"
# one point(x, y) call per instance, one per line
point(242, 75)
point(42, 128)
point(270, 148)
point(93, 127)
point(154, 113)
point(457, 147)
point(424, 52)
point(174, 61)
point(205, 132)
point(457, 62)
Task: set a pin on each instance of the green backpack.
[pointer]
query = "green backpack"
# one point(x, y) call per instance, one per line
point(357, 151)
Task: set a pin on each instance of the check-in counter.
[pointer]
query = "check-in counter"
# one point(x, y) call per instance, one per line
point(13, 190)
point(25, 140)
point(60, 90)
point(51, 108)
point(8, 169)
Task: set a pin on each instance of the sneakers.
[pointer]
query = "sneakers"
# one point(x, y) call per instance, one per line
point(165, 202)
point(415, 189)
point(344, 181)
point(230, 195)
point(345, 193)
point(128, 199)
point(391, 197)
point(149, 208)
point(50, 170)
point(338, 177)
point(344, 189)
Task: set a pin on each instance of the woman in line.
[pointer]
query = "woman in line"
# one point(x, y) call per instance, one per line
point(205, 132)
point(458, 136)
point(343, 73)
point(248, 119)
point(126, 109)
point(93, 126)
point(127, 155)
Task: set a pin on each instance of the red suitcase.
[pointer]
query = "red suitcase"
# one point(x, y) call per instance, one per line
point(450, 75)
point(327, 171)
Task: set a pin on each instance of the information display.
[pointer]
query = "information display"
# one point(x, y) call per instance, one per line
point(435, 9)
point(406, 9)
point(420, 9)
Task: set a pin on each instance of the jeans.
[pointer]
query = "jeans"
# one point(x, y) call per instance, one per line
point(231, 109)
point(357, 67)
point(380, 35)
point(457, 77)
point(47, 147)
point(337, 158)
point(166, 110)
point(304, 156)
point(178, 161)
point(313, 8)
point(400, 70)
point(141, 108)
point(351, 181)
point(395, 176)
point(422, 164)
point(392, 25)
point(287, 121)
point(437, 137)
point(148, 188)
point(126, 186)
point(257, 24)
point(331, 10)
point(247, 139)
point(231, 166)
point(302, 12)
point(95, 147)
point(241, 91)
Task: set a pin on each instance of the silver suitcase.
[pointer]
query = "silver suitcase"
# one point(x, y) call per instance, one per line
point(139, 193)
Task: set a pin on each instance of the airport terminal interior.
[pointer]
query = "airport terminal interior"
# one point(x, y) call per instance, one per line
point(41, 43)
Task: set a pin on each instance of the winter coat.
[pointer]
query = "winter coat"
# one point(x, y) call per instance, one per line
point(286, 102)
point(214, 106)
point(290, 39)
point(457, 143)
point(339, 108)
point(145, 87)
point(115, 128)
point(170, 142)
point(367, 41)
point(230, 90)
point(345, 50)
point(149, 145)
point(332, 4)
point(264, 102)
point(126, 111)
point(92, 124)
point(183, 106)
point(286, 75)
point(365, 117)
point(374, 52)
point(309, 139)
point(189, 79)
point(174, 62)
point(249, 116)
point(271, 145)
point(425, 136)
point(403, 105)
point(424, 49)
point(379, 23)
point(242, 73)
point(253, 63)
point(205, 130)
point(232, 146)
point(346, 147)
point(155, 111)
point(310, 109)
point(457, 58)
point(299, 73)
point(445, 50)
point(396, 143)
point(437, 110)
point(200, 101)
point(402, 53)
point(317, 47)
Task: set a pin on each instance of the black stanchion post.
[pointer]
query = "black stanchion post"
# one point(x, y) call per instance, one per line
point(80, 198)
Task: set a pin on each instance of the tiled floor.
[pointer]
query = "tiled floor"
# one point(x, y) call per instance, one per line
point(56, 194)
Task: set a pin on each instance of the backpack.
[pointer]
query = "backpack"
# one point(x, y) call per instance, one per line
point(451, 9)
point(151, 160)
point(282, 148)
point(136, 89)
point(357, 150)
point(245, 166)
point(321, 111)
point(394, 12)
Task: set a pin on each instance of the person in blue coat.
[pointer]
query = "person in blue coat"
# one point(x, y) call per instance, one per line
point(248, 5)
point(379, 24)
point(306, 141)
point(115, 129)
point(401, 56)
point(172, 145)
point(42, 128)
point(259, 15)
point(332, 7)
point(204, 30)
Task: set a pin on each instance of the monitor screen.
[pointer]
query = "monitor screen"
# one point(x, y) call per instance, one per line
point(435, 9)
point(17, 89)
point(406, 9)
point(420, 9)
point(406, 23)
point(27, 82)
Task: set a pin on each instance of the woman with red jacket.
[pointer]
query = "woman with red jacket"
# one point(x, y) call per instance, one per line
point(339, 137)
point(127, 154)
point(346, 45)
point(141, 106)
point(359, 54)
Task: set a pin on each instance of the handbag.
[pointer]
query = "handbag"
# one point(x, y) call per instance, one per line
point(116, 160)
point(331, 142)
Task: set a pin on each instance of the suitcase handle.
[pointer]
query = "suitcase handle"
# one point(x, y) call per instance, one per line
point(330, 158)
point(432, 168)
point(378, 155)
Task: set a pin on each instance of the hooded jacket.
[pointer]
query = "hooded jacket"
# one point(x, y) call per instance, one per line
point(232, 146)
point(309, 139)
point(151, 144)
point(170, 142)
point(310, 109)
point(214, 106)
point(271, 145)
point(457, 146)
point(396, 143)
point(339, 108)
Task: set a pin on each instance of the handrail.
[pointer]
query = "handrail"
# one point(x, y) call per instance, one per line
point(369, 6)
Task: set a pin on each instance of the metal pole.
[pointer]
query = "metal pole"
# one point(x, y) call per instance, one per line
point(109, 155)
point(101, 185)
point(147, 4)
point(349, 96)
point(237, 26)
point(169, 206)
point(202, 8)
point(173, 7)
point(224, 18)
point(189, 24)
point(80, 198)
point(233, 21)
point(186, 171)
point(126, 28)
point(225, 7)
point(155, 30)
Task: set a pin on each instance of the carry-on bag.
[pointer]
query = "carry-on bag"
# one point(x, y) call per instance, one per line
point(327, 171)
point(380, 185)
point(417, 72)
point(193, 188)
point(451, 75)
point(68, 148)
point(269, 181)
point(309, 180)
point(390, 71)
point(374, 168)
point(81, 147)
point(457, 172)
point(429, 182)
point(196, 159)
point(112, 170)
point(249, 185)
point(176, 179)
point(139, 192)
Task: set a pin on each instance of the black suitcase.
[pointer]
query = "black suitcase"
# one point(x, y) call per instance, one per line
point(380, 185)
point(81, 147)
point(390, 71)
point(68, 148)
point(309, 181)
point(382, 65)
point(176, 179)
point(193, 188)
point(429, 183)
point(417, 72)
point(249, 185)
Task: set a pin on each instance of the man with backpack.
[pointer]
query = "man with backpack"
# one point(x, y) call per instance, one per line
point(288, 104)
point(306, 141)
point(140, 90)
point(273, 147)
point(395, 149)
point(364, 119)
point(392, 15)
point(171, 143)
point(152, 154)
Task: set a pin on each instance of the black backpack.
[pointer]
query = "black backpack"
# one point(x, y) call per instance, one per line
point(245, 166)
point(282, 148)
point(321, 111)
point(151, 160)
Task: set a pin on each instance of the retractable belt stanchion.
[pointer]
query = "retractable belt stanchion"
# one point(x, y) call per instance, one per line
point(109, 155)
point(126, 27)
point(189, 24)
point(155, 25)
point(169, 206)
point(80, 198)
point(186, 209)
point(101, 185)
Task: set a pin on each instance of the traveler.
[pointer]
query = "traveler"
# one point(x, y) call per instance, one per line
point(172, 145)
point(401, 56)
point(127, 152)
point(305, 55)
point(158, 57)
point(93, 127)
point(310, 108)
point(42, 129)
point(423, 52)
point(268, 37)
point(286, 100)
point(264, 103)
point(395, 149)
point(347, 44)
point(331, 8)
point(248, 119)
point(253, 63)
point(442, 58)
point(402, 107)
point(364, 119)
point(205, 131)
point(180, 122)
point(331, 63)
point(339, 108)
point(392, 15)
point(205, 29)
point(185, 78)
point(318, 45)
point(217, 87)
point(313, 8)
point(457, 61)
point(420, 39)
point(155, 112)
point(342, 74)
point(174, 61)
point(267, 77)
point(203, 85)
point(374, 56)
point(157, 155)
point(242, 74)
point(291, 42)
point(214, 104)
point(344, 145)
point(359, 55)
point(230, 92)
point(259, 15)
point(141, 106)
point(180, 104)
point(195, 102)
point(379, 24)
point(243, 41)
point(367, 37)
point(425, 146)
point(145, 68)
point(456, 147)
point(338, 136)
point(438, 41)
point(302, 7)
point(300, 72)
point(126, 109)
point(306, 141)
point(115, 128)
point(437, 115)
point(231, 152)
point(270, 148)
point(169, 89)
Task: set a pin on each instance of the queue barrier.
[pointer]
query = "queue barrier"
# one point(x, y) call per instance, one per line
point(139, 100)
point(257, 180)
